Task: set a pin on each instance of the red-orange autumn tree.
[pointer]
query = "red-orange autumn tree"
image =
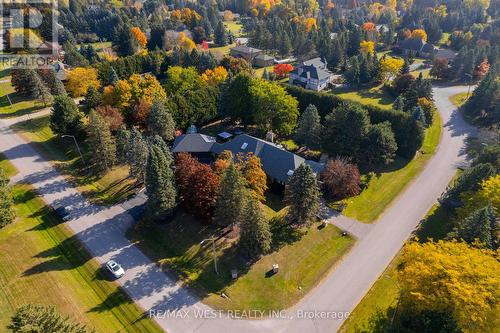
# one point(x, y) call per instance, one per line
point(197, 184)
point(281, 70)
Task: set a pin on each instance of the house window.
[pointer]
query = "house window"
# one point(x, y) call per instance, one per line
point(244, 146)
point(289, 173)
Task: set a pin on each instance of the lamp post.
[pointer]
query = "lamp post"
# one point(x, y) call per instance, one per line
point(76, 143)
point(213, 252)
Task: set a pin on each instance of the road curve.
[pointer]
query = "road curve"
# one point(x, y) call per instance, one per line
point(102, 231)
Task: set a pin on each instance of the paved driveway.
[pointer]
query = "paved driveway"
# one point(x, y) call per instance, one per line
point(102, 231)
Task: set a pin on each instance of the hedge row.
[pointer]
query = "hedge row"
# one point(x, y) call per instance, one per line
point(409, 133)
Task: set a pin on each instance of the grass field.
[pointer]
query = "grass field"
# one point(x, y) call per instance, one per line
point(234, 27)
point(112, 187)
point(384, 187)
point(41, 262)
point(379, 303)
point(375, 96)
point(304, 257)
point(8, 168)
point(20, 105)
point(459, 99)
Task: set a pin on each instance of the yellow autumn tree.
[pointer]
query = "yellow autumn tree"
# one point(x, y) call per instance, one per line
point(310, 23)
point(390, 67)
point(184, 42)
point(80, 79)
point(127, 93)
point(488, 194)
point(419, 34)
point(139, 36)
point(452, 277)
point(367, 47)
point(251, 169)
point(214, 77)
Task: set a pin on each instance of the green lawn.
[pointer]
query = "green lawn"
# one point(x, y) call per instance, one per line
point(379, 304)
point(112, 187)
point(221, 51)
point(458, 99)
point(8, 168)
point(20, 105)
point(41, 262)
point(384, 187)
point(375, 96)
point(235, 27)
point(304, 256)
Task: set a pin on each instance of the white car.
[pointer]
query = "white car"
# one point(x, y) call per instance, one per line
point(115, 269)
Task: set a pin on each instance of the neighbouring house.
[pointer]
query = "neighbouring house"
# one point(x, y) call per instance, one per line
point(278, 163)
point(415, 46)
point(246, 52)
point(241, 41)
point(312, 74)
point(445, 54)
point(263, 60)
point(61, 70)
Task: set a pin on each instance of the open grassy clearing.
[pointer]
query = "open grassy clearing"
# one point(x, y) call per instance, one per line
point(459, 99)
point(380, 302)
point(41, 262)
point(236, 28)
point(375, 96)
point(305, 256)
point(20, 105)
point(112, 187)
point(221, 51)
point(385, 186)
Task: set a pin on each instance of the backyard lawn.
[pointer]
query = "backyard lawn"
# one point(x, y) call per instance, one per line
point(8, 168)
point(42, 263)
point(20, 105)
point(304, 257)
point(112, 187)
point(375, 96)
point(384, 187)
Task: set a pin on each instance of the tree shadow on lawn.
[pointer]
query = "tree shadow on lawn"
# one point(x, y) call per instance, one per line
point(175, 247)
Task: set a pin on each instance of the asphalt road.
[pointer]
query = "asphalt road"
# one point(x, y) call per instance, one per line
point(102, 231)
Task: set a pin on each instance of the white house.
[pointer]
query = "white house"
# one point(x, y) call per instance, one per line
point(311, 74)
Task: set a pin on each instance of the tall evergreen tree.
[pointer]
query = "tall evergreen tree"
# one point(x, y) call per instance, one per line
point(302, 195)
point(161, 122)
point(65, 117)
point(309, 128)
point(122, 142)
point(380, 145)
point(101, 143)
point(160, 186)
point(344, 130)
point(481, 225)
point(220, 34)
point(93, 99)
point(6, 203)
point(40, 91)
point(40, 318)
point(255, 236)
point(137, 154)
point(230, 199)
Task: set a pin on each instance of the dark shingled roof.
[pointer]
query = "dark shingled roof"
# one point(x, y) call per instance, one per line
point(245, 49)
point(414, 44)
point(312, 69)
point(277, 163)
point(193, 143)
point(446, 53)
